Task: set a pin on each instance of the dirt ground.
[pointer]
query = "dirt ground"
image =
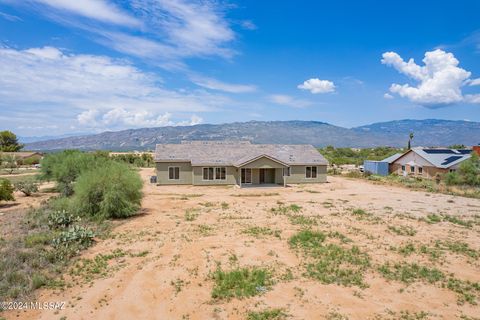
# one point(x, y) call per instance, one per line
point(172, 280)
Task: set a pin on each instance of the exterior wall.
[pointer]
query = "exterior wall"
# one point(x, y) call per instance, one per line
point(297, 175)
point(376, 167)
point(428, 171)
point(185, 173)
point(231, 177)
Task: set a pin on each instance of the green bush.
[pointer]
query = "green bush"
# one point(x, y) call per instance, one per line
point(467, 174)
point(65, 167)
point(61, 219)
point(6, 190)
point(75, 236)
point(111, 190)
point(27, 187)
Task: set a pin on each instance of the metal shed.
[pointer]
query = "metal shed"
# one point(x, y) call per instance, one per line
point(380, 167)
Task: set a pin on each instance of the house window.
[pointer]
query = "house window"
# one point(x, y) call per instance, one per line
point(208, 173)
point(221, 173)
point(310, 172)
point(403, 168)
point(286, 172)
point(173, 173)
point(412, 169)
point(452, 170)
point(420, 170)
point(214, 173)
point(246, 175)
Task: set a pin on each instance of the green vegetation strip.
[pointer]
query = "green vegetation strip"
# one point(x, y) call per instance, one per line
point(240, 282)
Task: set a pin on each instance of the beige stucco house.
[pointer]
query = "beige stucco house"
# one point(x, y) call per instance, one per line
point(238, 163)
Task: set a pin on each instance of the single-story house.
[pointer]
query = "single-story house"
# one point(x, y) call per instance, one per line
point(238, 163)
point(22, 156)
point(428, 162)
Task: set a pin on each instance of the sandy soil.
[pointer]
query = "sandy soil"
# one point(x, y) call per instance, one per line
point(172, 281)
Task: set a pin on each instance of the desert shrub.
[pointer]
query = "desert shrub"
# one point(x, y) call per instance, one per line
point(28, 187)
point(31, 161)
point(111, 190)
point(268, 314)
point(75, 236)
point(6, 190)
point(467, 174)
point(61, 219)
point(65, 167)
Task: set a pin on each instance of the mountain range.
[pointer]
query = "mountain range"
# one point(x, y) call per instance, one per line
point(429, 132)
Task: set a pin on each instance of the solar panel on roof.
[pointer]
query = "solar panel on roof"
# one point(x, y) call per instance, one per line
point(451, 159)
point(466, 151)
point(438, 151)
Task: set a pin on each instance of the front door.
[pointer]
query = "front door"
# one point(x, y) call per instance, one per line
point(262, 176)
point(246, 175)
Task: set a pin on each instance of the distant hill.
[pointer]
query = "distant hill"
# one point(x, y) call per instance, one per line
point(394, 133)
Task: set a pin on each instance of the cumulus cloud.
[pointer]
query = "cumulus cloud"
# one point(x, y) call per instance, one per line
point(287, 100)
point(439, 80)
point(316, 85)
point(388, 96)
point(120, 118)
point(50, 83)
point(474, 82)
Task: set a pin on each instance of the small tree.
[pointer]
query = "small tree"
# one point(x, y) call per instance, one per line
point(410, 138)
point(469, 171)
point(27, 187)
point(9, 142)
point(6, 190)
point(8, 162)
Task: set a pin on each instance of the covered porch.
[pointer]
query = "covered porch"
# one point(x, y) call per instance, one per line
point(262, 171)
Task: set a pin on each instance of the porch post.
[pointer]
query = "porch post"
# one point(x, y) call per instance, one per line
point(284, 178)
point(240, 176)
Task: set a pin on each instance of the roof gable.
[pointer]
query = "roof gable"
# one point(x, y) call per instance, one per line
point(440, 158)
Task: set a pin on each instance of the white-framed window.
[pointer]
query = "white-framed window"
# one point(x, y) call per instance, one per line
point(403, 168)
point(286, 172)
point(453, 170)
point(221, 173)
point(412, 169)
point(246, 175)
point(420, 170)
point(215, 173)
point(310, 172)
point(173, 173)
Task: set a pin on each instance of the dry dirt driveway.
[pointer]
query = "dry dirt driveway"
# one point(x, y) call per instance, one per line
point(171, 254)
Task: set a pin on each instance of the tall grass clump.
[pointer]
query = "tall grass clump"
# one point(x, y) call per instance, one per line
point(111, 190)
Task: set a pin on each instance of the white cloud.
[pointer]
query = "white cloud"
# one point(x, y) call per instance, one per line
point(316, 85)
point(94, 9)
point(474, 82)
point(121, 118)
point(9, 17)
point(289, 101)
point(214, 84)
point(439, 80)
point(248, 25)
point(388, 96)
point(52, 84)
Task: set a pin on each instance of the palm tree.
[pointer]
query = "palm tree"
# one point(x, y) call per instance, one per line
point(410, 138)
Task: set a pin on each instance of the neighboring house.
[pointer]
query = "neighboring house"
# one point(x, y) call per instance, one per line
point(381, 167)
point(238, 163)
point(428, 162)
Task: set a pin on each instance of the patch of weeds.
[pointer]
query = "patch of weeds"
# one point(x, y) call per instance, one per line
point(204, 230)
point(240, 282)
point(89, 269)
point(224, 205)
point(468, 291)
point(207, 204)
point(360, 213)
point(302, 220)
point(407, 249)
point(178, 284)
point(269, 314)
point(327, 204)
point(331, 263)
point(334, 315)
point(191, 214)
point(283, 209)
point(403, 230)
point(143, 253)
point(410, 272)
point(458, 247)
point(265, 194)
point(433, 218)
point(258, 232)
point(311, 191)
point(458, 221)
point(340, 236)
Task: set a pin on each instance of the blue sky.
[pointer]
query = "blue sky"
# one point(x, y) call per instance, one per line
point(95, 65)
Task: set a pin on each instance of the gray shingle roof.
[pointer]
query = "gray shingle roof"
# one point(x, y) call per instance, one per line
point(235, 153)
point(392, 158)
